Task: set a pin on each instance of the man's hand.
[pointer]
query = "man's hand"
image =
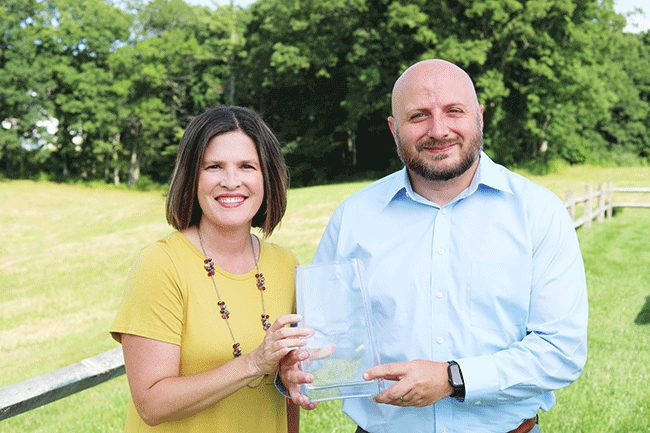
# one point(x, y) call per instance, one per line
point(419, 383)
point(292, 377)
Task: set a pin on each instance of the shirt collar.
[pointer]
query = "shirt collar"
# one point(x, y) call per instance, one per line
point(491, 175)
point(399, 185)
point(488, 173)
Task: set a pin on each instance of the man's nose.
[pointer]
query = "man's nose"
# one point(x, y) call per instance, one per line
point(438, 128)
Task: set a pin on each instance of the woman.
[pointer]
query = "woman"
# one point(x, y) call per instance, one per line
point(195, 324)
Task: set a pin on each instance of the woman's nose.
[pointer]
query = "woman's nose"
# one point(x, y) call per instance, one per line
point(230, 179)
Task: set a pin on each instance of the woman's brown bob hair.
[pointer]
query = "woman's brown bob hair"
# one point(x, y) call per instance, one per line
point(183, 208)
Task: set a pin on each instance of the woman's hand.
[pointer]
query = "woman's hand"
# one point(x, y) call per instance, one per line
point(292, 377)
point(279, 340)
point(159, 392)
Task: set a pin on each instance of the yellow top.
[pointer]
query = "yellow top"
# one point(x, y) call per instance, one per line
point(169, 297)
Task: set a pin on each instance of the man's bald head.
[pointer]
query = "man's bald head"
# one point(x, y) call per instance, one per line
point(437, 122)
point(430, 73)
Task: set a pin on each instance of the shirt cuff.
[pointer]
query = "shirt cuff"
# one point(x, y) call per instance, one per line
point(480, 376)
point(279, 385)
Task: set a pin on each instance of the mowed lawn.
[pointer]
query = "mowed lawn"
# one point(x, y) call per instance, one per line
point(65, 251)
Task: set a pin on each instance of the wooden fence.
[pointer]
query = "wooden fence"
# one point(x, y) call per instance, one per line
point(41, 390)
point(595, 204)
point(598, 204)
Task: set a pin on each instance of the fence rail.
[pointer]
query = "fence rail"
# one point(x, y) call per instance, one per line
point(41, 390)
point(597, 204)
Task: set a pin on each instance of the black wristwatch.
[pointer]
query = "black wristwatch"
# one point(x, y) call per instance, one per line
point(456, 381)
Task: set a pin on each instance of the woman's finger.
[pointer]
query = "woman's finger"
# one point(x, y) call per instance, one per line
point(285, 320)
point(287, 332)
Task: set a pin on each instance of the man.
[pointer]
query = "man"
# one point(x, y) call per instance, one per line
point(475, 275)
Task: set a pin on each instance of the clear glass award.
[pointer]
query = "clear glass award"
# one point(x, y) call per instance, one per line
point(334, 302)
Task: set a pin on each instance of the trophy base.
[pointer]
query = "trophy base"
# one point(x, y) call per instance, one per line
point(340, 391)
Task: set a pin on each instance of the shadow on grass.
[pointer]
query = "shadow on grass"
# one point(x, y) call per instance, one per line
point(644, 315)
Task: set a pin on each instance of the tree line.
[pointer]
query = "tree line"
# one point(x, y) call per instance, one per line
point(99, 89)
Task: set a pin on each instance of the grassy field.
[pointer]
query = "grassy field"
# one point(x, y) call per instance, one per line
point(66, 249)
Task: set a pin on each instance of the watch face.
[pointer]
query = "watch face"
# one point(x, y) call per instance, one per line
point(454, 372)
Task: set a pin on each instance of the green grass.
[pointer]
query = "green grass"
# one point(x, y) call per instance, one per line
point(66, 249)
point(613, 394)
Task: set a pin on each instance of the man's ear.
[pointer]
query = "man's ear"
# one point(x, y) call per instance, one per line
point(393, 127)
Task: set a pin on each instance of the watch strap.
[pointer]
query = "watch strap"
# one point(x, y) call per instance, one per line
point(456, 381)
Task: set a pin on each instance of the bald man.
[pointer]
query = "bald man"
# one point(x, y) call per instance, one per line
point(476, 279)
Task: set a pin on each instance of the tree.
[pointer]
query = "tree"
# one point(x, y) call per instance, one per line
point(176, 67)
point(25, 83)
point(296, 76)
point(92, 90)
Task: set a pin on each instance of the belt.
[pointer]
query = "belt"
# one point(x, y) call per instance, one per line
point(524, 427)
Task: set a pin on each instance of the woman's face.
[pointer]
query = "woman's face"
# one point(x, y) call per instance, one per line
point(231, 184)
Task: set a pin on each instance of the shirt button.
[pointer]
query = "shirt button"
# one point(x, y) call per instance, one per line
point(440, 340)
point(477, 402)
point(441, 251)
point(439, 295)
point(444, 211)
point(444, 430)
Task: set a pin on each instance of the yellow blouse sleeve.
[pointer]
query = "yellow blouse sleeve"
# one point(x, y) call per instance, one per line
point(153, 304)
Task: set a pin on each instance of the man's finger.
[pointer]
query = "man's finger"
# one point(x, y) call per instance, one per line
point(391, 371)
point(392, 395)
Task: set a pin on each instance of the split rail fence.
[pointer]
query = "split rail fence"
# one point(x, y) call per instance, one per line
point(599, 203)
point(594, 204)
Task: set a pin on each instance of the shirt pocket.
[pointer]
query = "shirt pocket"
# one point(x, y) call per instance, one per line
point(499, 295)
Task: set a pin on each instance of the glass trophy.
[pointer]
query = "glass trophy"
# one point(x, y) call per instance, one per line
point(333, 301)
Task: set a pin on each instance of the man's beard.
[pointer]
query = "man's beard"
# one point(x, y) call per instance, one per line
point(413, 160)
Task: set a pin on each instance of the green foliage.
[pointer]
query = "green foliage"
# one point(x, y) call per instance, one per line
point(559, 80)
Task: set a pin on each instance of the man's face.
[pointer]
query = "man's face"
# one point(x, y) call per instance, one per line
point(430, 159)
point(437, 123)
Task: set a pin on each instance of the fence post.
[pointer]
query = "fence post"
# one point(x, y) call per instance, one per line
point(570, 200)
point(601, 202)
point(588, 206)
point(610, 199)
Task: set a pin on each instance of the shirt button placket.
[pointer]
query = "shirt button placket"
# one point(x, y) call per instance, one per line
point(440, 268)
point(439, 282)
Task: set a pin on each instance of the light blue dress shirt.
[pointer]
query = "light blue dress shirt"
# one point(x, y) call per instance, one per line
point(494, 280)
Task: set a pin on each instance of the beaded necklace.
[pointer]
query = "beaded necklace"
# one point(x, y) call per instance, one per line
point(208, 264)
